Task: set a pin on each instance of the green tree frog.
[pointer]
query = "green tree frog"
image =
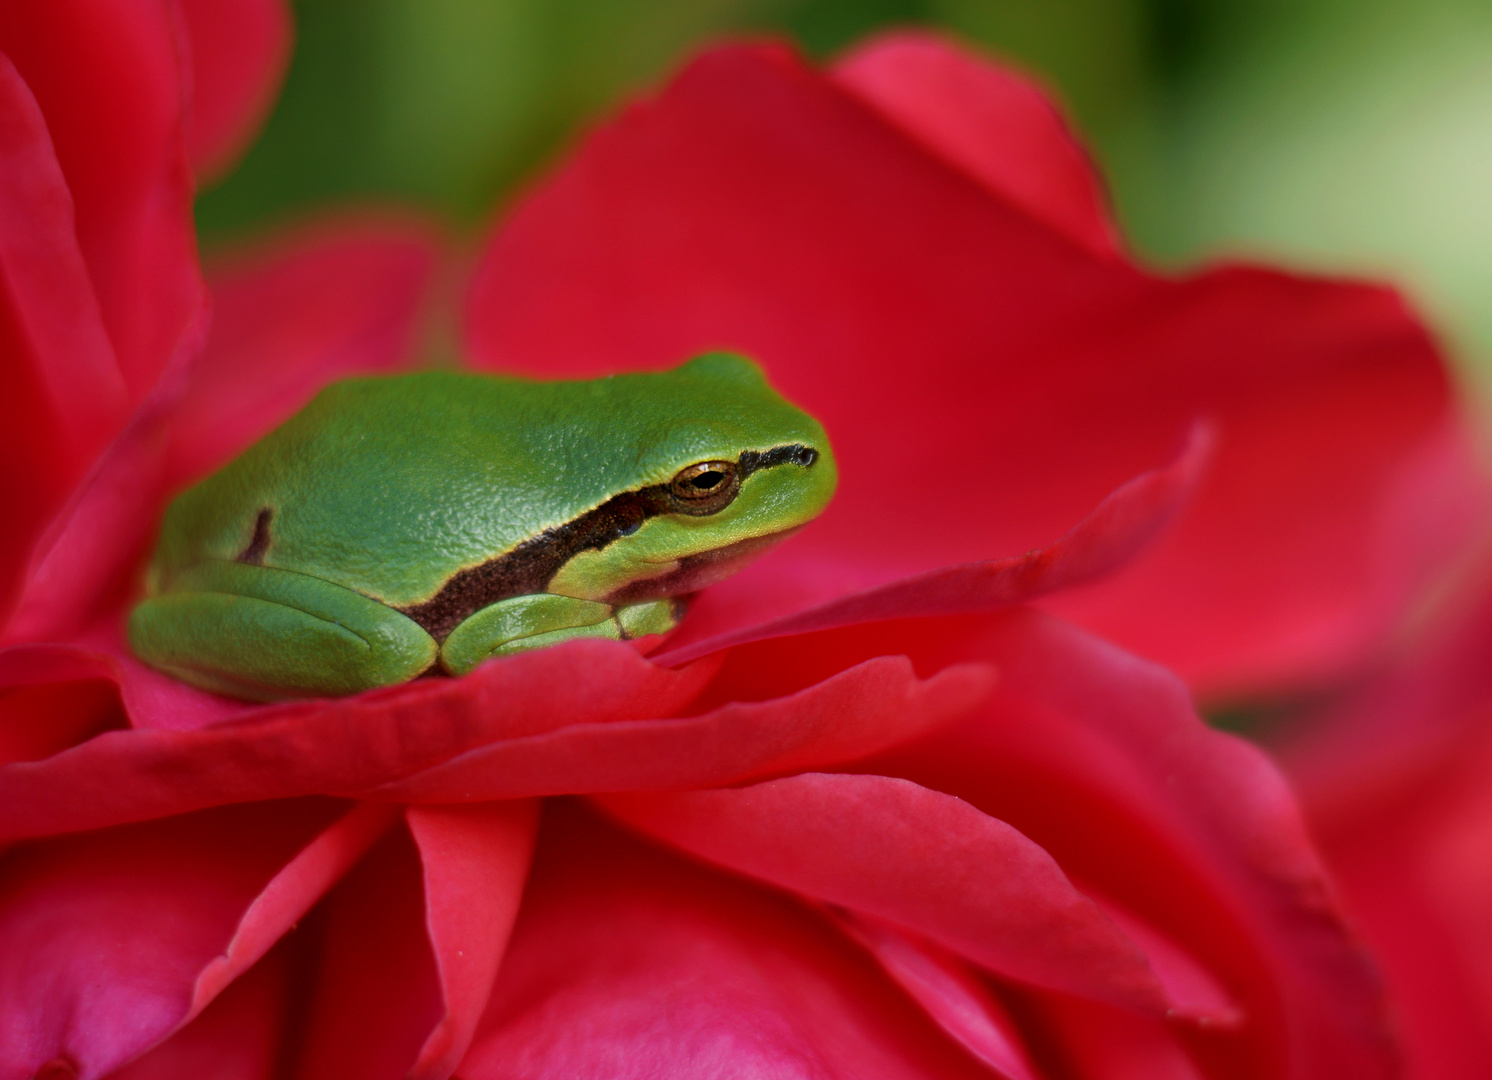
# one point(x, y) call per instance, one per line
point(405, 525)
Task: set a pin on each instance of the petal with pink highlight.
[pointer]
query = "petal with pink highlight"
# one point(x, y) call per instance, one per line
point(104, 934)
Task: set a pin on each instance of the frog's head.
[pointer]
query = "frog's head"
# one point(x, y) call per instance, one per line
point(726, 467)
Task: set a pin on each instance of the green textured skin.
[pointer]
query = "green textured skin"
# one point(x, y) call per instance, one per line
point(382, 489)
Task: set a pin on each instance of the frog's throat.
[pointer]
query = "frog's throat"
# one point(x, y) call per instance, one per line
point(527, 568)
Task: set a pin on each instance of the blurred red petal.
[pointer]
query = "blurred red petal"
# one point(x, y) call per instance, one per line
point(345, 297)
point(375, 995)
point(1395, 777)
point(985, 381)
point(108, 76)
point(239, 50)
point(917, 858)
point(104, 934)
point(628, 963)
point(475, 861)
point(850, 714)
point(337, 745)
point(994, 124)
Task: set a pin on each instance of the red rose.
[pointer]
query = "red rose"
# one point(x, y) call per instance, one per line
point(870, 812)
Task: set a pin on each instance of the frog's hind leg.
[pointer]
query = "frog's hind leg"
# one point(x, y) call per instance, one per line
point(521, 623)
point(266, 634)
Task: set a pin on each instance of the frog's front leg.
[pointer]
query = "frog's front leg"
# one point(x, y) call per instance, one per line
point(521, 623)
point(265, 634)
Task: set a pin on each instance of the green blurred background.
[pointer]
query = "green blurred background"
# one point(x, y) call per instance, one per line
point(1336, 135)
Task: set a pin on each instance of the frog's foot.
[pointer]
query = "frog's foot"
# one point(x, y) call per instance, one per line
point(521, 623)
point(265, 634)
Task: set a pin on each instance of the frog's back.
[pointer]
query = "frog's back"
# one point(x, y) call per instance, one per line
point(388, 485)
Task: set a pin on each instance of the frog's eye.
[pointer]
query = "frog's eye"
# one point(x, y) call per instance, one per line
point(705, 487)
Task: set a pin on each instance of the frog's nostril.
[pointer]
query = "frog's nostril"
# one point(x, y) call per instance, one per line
point(806, 456)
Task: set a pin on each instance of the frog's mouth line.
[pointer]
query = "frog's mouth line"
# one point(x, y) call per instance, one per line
point(529, 567)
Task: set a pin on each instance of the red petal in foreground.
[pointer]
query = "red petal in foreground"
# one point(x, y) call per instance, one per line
point(475, 862)
point(849, 715)
point(239, 50)
point(376, 992)
point(337, 745)
point(985, 380)
point(1100, 759)
point(239, 1037)
point(916, 858)
point(626, 962)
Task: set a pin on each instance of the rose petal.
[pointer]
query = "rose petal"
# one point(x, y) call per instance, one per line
point(1193, 992)
point(108, 77)
point(1395, 777)
point(289, 895)
point(628, 963)
point(1421, 715)
point(989, 121)
point(104, 934)
point(1100, 758)
point(376, 994)
point(336, 745)
point(475, 861)
point(63, 394)
point(237, 1038)
point(87, 558)
point(757, 206)
point(917, 858)
point(1100, 1042)
point(239, 50)
point(949, 993)
point(845, 717)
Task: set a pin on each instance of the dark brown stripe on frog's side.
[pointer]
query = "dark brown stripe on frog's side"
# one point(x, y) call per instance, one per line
point(528, 568)
point(254, 553)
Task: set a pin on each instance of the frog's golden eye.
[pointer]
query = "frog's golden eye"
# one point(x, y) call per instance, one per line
point(705, 487)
